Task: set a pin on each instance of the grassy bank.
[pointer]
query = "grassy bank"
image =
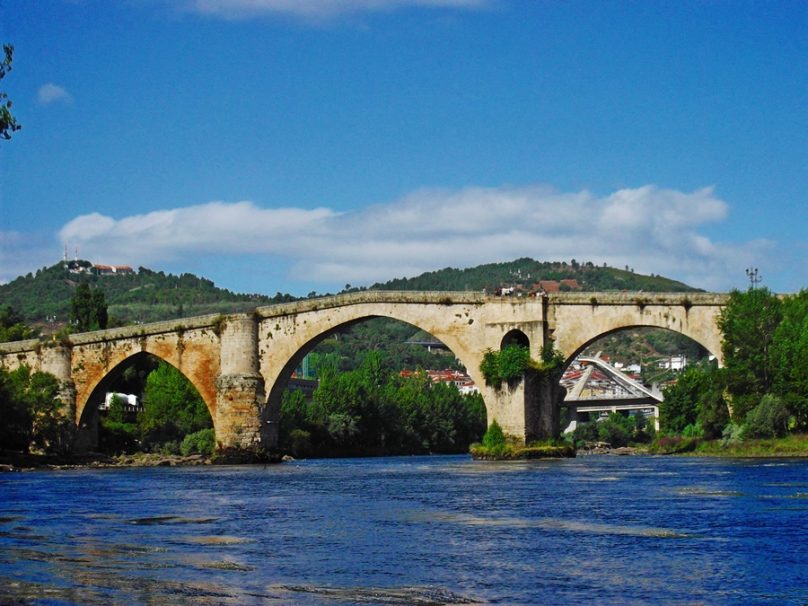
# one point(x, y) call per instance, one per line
point(512, 452)
point(792, 445)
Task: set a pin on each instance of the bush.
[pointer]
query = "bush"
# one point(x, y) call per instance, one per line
point(673, 445)
point(769, 419)
point(694, 430)
point(202, 442)
point(732, 434)
point(505, 366)
point(494, 438)
point(300, 443)
point(117, 437)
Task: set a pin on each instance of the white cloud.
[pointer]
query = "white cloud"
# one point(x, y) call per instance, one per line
point(53, 93)
point(311, 9)
point(652, 230)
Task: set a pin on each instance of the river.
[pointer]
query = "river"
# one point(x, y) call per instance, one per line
point(410, 530)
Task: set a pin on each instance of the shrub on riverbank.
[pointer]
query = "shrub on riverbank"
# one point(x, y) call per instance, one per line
point(499, 447)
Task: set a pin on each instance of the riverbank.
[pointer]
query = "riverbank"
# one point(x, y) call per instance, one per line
point(792, 445)
point(17, 461)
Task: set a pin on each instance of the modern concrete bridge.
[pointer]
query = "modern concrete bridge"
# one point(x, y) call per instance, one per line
point(240, 363)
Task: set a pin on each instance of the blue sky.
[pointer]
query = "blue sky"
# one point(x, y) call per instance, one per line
point(282, 145)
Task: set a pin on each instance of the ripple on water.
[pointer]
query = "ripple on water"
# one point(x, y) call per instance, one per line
point(550, 524)
point(215, 540)
point(388, 596)
point(699, 491)
point(153, 520)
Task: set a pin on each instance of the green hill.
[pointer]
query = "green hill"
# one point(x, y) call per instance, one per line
point(43, 298)
point(526, 272)
point(142, 296)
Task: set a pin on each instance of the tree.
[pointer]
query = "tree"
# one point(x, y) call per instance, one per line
point(88, 308)
point(696, 397)
point(789, 353)
point(172, 408)
point(8, 123)
point(749, 322)
point(31, 412)
point(12, 327)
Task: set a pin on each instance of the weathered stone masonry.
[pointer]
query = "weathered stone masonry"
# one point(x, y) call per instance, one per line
point(240, 363)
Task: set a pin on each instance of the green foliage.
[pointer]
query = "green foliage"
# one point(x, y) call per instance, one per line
point(694, 430)
point(31, 413)
point(202, 442)
point(526, 272)
point(373, 410)
point(765, 350)
point(117, 437)
point(172, 408)
point(144, 296)
point(12, 326)
point(732, 434)
point(616, 430)
point(667, 444)
point(505, 366)
point(494, 438)
point(749, 322)
point(8, 123)
point(769, 419)
point(696, 397)
point(789, 354)
point(88, 308)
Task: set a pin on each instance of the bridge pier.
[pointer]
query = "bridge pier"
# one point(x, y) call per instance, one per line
point(240, 393)
point(543, 398)
point(56, 360)
point(530, 410)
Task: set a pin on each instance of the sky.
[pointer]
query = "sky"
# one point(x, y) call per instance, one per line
point(302, 145)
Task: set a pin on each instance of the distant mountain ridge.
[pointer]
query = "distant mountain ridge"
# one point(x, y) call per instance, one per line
point(145, 295)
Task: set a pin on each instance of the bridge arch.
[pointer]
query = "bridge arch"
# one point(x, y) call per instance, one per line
point(87, 410)
point(568, 358)
point(95, 377)
point(515, 337)
point(577, 324)
point(278, 357)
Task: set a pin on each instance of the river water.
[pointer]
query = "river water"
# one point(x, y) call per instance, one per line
point(410, 530)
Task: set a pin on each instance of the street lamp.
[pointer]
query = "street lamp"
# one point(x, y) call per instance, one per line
point(754, 278)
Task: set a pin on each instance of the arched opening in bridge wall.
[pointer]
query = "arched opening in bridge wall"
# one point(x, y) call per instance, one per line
point(145, 404)
point(373, 386)
point(614, 382)
point(515, 337)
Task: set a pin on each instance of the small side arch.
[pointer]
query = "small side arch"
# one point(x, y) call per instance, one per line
point(94, 394)
point(515, 337)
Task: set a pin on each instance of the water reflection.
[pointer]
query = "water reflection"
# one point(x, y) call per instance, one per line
point(418, 530)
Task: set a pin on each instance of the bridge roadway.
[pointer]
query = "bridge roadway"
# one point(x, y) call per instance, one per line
point(240, 363)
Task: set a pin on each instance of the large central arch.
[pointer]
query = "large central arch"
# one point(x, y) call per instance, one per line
point(279, 357)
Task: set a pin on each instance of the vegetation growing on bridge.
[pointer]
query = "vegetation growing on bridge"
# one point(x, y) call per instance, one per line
point(509, 364)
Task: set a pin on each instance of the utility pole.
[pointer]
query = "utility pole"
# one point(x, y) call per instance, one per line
point(754, 278)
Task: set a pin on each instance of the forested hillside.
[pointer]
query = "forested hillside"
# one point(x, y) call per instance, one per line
point(526, 272)
point(143, 296)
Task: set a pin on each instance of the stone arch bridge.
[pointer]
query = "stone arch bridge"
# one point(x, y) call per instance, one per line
point(240, 363)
